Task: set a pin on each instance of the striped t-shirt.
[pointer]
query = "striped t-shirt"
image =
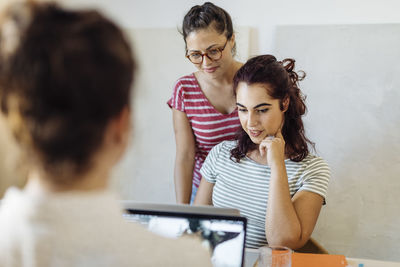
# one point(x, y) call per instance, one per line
point(210, 127)
point(245, 185)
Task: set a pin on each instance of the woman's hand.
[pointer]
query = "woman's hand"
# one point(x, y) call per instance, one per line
point(273, 148)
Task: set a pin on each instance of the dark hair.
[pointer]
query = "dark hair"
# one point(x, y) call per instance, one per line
point(63, 76)
point(201, 17)
point(282, 83)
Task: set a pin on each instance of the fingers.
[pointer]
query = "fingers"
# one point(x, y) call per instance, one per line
point(264, 145)
point(263, 150)
point(270, 137)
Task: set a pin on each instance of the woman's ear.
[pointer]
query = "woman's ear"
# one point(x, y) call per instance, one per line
point(122, 124)
point(285, 104)
point(233, 44)
point(119, 127)
point(233, 40)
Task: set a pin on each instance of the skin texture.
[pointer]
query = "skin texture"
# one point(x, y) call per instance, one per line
point(290, 220)
point(215, 79)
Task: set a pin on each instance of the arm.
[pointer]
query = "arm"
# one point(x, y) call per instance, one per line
point(184, 159)
point(204, 193)
point(290, 221)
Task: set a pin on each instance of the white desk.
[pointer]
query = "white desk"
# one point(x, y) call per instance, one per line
point(252, 254)
point(353, 262)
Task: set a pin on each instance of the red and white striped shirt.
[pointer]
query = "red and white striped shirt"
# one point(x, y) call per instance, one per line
point(210, 127)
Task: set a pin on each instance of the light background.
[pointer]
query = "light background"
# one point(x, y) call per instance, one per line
point(353, 94)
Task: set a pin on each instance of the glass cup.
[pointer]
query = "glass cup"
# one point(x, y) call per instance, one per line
point(274, 256)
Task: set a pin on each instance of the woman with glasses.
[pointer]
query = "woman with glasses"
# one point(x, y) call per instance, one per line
point(203, 104)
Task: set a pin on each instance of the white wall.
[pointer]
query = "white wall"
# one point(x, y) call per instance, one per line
point(353, 90)
point(356, 222)
point(263, 15)
point(361, 218)
point(147, 169)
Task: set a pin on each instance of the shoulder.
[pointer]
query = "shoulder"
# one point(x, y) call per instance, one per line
point(171, 251)
point(189, 251)
point(313, 161)
point(225, 146)
point(184, 88)
point(187, 80)
point(220, 152)
point(14, 213)
point(313, 165)
point(14, 204)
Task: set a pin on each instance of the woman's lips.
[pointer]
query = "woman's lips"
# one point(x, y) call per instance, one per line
point(255, 133)
point(210, 70)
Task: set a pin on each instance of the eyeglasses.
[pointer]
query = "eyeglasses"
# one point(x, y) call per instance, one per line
point(213, 54)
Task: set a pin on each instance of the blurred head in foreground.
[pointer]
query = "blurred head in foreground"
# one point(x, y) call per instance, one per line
point(65, 85)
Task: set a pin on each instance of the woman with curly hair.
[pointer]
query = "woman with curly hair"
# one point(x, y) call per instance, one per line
point(268, 172)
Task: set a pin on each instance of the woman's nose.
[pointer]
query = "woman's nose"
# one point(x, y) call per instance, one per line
point(252, 120)
point(206, 61)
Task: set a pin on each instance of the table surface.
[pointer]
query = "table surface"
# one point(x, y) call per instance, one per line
point(354, 262)
point(252, 254)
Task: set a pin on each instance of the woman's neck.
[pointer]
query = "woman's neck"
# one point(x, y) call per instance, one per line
point(255, 155)
point(226, 79)
point(39, 180)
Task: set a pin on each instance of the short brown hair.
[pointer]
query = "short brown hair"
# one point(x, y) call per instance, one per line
point(200, 17)
point(70, 73)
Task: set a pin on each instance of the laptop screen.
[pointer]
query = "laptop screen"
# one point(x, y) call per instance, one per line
point(221, 230)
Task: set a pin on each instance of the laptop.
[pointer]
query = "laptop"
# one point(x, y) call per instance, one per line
point(222, 230)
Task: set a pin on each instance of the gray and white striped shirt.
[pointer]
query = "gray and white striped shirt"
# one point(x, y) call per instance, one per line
point(245, 185)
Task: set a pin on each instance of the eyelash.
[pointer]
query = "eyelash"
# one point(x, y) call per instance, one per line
point(258, 110)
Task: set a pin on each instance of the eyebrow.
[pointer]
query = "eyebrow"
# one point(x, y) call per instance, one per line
point(257, 106)
point(208, 48)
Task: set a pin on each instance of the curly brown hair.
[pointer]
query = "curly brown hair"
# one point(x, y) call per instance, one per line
point(64, 74)
point(282, 83)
